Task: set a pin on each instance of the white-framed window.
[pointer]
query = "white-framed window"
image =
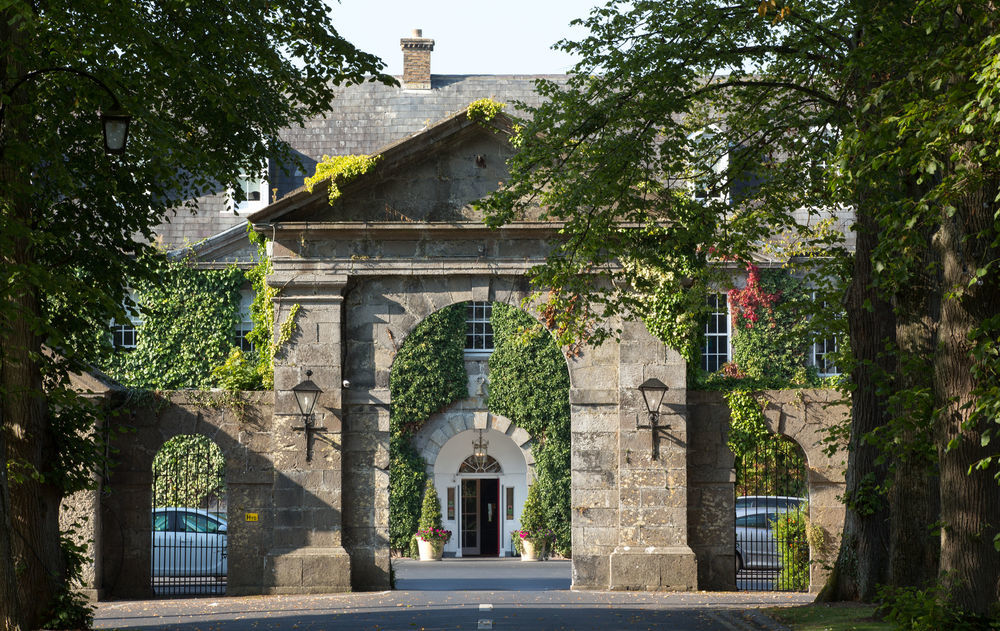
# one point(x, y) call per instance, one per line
point(123, 336)
point(708, 182)
point(716, 350)
point(240, 337)
point(823, 352)
point(478, 328)
point(246, 324)
point(254, 188)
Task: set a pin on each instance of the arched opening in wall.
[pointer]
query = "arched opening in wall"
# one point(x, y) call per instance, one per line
point(479, 371)
point(190, 529)
point(772, 550)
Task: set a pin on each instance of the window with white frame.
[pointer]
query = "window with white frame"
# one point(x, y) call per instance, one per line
point(822, 357)
point(245, 325)
point(253, 187)
point(123, 336)
point(716, 351)
point(478, 328)
point(824, 350)
point(708, 181)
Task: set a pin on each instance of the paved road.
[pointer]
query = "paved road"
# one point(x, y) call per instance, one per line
point(450, 598)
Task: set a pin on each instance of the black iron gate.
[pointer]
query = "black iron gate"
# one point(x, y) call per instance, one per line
point(190, 531)
point(772, 551)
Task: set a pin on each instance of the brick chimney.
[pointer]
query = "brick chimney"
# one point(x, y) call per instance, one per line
point(416, 61)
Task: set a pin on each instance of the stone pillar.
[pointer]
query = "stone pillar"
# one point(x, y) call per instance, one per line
point(307, 553)
point(652, 551)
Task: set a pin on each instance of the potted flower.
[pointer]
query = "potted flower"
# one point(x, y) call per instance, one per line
point(534, 537)
point(431, 537)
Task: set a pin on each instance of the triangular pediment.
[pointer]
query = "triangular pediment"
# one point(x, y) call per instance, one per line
point(434, 175)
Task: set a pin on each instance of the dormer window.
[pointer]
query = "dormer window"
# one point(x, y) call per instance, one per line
point(478, 328)
point(253, 187)
point(708, 181)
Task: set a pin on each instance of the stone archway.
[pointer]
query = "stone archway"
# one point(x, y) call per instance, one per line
point(446, 443)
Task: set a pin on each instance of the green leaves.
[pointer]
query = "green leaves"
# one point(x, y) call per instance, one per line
point(529, 384)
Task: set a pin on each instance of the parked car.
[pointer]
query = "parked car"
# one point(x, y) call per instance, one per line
point(756, 543)
point(777, 503)
point(189, 542)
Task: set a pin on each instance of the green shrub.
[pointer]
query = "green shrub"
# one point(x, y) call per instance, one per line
point(430, 510)
point(929, 609)
point(793, 549)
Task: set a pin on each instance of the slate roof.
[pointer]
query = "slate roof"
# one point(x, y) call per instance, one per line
point(363, 118)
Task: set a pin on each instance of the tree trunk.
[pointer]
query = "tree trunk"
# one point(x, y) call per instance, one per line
point(33, 566)
point(914, 502)
point(970, 500)
point(862, 563)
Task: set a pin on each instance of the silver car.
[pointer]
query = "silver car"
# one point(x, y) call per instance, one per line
point(756, 544)
point(189, 542)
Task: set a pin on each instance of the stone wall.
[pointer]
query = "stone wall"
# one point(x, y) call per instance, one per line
point(804, 416)
point(243, 434)
point(638, 522)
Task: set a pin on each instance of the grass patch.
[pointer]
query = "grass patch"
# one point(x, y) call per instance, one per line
point(829, 617)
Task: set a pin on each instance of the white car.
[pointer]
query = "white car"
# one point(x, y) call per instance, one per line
point(756, 543)
point(188, 542)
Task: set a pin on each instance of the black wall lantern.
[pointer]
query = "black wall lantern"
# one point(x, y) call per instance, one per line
point(114, 122)
point(306, 394)
point(652, 394)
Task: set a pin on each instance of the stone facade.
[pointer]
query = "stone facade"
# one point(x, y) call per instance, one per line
point(638, 523)
point(403, 241)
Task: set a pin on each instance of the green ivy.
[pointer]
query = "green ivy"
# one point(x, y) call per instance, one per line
point(529, 384)
point(188, 319)
point(340, 170)
point(428, 374)
point(773, 345)
point(484, 110)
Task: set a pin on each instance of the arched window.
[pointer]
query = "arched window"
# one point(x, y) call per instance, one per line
point(480, 464)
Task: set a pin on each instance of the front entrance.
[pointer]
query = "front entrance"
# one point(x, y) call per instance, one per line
point(480, 517)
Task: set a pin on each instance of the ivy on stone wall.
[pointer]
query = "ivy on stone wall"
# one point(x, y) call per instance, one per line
point(188, 319)
point(428, 374)
point(529, 384)
point(255, 370)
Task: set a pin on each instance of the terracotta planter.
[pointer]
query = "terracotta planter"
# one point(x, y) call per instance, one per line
point(430, 550)
point(532, 549)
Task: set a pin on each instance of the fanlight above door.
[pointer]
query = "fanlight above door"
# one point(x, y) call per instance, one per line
point(480, 464)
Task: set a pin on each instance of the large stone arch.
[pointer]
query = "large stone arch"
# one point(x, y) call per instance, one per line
point(629, 522)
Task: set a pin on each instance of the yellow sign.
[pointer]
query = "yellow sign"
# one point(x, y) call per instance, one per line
point(251, 516)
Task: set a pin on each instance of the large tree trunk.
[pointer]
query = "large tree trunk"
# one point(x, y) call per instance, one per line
point(33, 565)
point(862, 563)
point(914, 502)
point(970, 500)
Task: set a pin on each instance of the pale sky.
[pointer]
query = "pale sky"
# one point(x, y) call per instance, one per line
point(470, 36)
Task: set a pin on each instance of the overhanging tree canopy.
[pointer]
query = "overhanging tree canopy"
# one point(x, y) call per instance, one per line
point(798, 110)
point(210, 85)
